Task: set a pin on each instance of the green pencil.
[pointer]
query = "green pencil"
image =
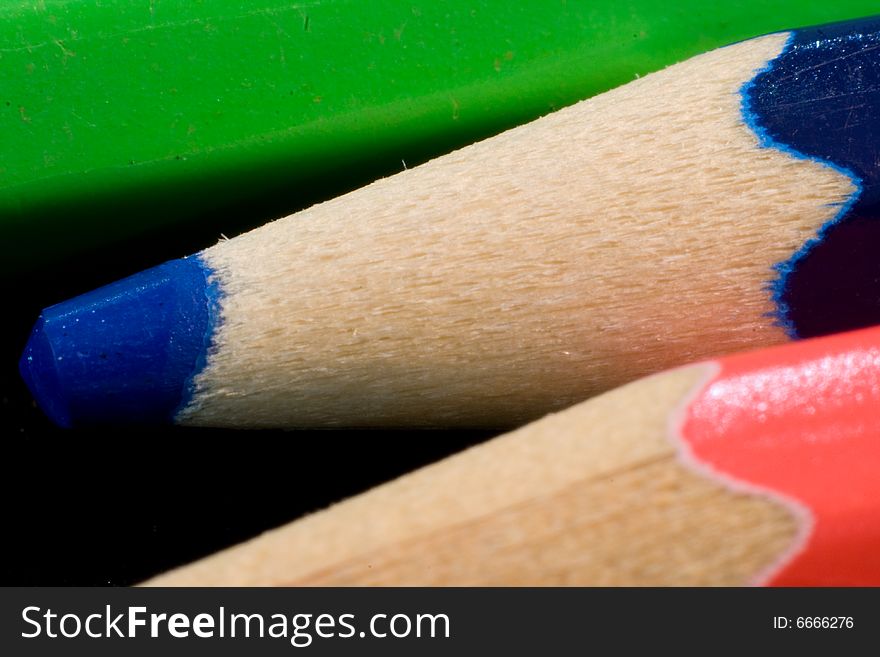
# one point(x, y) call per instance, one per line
point(119, 117)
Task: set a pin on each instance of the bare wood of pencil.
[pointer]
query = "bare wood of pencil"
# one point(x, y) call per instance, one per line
point(522, 274)
point(755, 468)
point(557, 502)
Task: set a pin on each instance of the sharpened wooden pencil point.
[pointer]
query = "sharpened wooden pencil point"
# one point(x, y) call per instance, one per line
point(620, 236)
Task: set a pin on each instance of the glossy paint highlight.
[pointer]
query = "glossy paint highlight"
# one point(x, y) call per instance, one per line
point(800, 425)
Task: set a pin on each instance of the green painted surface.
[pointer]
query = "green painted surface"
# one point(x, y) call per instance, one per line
point(120, 117)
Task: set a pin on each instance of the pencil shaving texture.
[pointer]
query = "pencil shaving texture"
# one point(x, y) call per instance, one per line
point(592, 495)
point(615, 238)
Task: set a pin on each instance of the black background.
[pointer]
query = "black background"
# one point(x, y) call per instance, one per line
point(116, 505)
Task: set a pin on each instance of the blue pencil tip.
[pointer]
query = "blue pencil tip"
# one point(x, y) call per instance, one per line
point(124, 353)
point(37, 367)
